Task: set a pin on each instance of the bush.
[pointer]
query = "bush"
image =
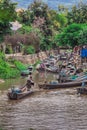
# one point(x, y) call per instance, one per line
point(5, 70)
point(20, 66)
point(29, 50)
point(8, 50)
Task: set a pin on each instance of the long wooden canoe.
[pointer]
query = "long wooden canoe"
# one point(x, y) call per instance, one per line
point(13, 95)
point(61, 85)
point(16, 96)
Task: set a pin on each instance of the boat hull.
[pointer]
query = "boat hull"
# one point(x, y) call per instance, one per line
point(16, 96)
point(61, 85)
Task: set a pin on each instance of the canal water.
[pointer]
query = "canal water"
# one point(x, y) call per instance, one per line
point(59, 109)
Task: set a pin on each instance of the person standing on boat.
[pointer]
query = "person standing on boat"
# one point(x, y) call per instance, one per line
point(83, 54)
point(29, 83)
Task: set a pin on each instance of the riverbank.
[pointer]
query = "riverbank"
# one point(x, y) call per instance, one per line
point(27, 59)
point(1, 81)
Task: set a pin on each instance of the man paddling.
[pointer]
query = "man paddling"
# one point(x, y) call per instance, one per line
point(29, 83)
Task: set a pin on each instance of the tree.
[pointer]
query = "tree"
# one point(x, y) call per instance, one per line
point(78, 14)
point(69, 36)
point(40, 19)
point(23, 16)
point(24, 29)
point(48, 21)
point(61, 18)
point(62, 9)
point(82, 38)
point(7, 14)
point(38, 9)
point(32, 37)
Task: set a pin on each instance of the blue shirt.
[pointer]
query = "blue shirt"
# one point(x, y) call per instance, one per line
point(83, 53)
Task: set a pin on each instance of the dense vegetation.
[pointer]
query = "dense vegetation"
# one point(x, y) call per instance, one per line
point(42, 29)
point(73, 34)
point(5, 70)
point(7, 14)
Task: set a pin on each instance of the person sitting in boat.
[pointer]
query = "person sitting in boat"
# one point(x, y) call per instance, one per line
point(15, 90)
point(29, 83)
point(53, 82)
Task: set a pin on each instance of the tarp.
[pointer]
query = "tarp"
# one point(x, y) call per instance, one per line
point(84, 53)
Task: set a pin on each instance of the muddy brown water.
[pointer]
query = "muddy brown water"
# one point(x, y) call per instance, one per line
point(60, 109)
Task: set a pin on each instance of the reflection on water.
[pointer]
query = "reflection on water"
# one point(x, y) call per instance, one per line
point(59, 109)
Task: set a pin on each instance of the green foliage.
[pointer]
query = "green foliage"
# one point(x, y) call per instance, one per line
point(40, 18)
point(78, 14)
point(41, 24)
point(36, 63)
point(57, 21)
point(61, 19)
point(20, 66)
point(7, 10)
point(82, 38)
point(7, 14)
point(62, 9)
point(69, 36)
point(4, 29)
point(5, 70)
point(32, 36)
point(29, 50)
point(38, 9)
point(8, 50)
point(25, 29)
point(23, 17)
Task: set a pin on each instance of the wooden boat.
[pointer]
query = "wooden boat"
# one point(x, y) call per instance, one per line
point(42, 67)
point(18, 94)
point(28, 71)
point(56, 85)
point(52, 69)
